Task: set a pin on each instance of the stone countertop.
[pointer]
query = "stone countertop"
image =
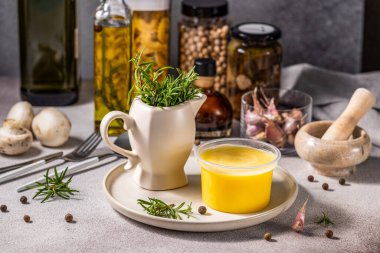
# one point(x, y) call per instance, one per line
point(98, 228)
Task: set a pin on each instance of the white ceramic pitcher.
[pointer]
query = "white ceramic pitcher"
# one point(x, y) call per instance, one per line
point(161, 141)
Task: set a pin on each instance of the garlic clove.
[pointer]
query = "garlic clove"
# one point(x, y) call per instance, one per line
point(275, 134)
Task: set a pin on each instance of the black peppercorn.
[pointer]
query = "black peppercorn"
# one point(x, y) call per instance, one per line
point(310, 178)
point(27, 218)
point(24, 199)
point(268, 236)
point(69, 217)
point(342, 181)
point(325, 186)
point(329, 233)
point(3, 208)
point(197, 142)
point(202, 210)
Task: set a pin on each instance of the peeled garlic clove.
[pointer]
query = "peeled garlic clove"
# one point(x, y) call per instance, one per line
point(14, 140)
point(22, 114)
point(51, 127)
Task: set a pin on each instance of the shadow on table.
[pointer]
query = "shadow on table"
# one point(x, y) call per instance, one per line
point(71, 143)
point(367, 172)
point(32, 153)
point(279, 225)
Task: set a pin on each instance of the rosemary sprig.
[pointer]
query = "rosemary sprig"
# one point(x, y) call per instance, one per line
point(157, 207)
point(54, 186)
point(170, 91)
point(325, 220)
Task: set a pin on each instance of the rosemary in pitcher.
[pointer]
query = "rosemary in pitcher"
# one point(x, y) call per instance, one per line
point(159, 89)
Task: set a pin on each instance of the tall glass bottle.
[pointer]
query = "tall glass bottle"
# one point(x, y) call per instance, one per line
point(48, 51)
point(112, 52)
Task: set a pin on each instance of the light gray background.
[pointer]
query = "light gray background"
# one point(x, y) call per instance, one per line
point(326, 33)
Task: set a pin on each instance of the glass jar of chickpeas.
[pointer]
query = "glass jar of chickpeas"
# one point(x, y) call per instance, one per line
point(203, 33)
point(151, 30)
point(254, 60)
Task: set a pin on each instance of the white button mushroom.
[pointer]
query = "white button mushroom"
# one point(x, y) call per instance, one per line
point(51, 127)
point(14, 140)
point(22, 114)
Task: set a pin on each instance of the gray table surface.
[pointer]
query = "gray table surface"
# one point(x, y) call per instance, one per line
point(98, 228)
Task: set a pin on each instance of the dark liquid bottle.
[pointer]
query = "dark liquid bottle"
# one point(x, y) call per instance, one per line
point(214, 118)
point(48, 51)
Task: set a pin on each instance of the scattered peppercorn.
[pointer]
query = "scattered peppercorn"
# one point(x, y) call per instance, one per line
point(342, 181)
point(310, 178)
point(329, 233)
point(3, 208)
point(268, 236)
point(69, 217)
point(325, 186)
point(197, 142)
point(202, 210)
point(24, 200)
point(27, 218)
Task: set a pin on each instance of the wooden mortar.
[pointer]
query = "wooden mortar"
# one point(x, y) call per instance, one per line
point(327, 145)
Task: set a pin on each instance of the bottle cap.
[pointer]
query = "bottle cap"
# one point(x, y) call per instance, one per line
point(256, 32)
point(205, 67)
point(205, 8)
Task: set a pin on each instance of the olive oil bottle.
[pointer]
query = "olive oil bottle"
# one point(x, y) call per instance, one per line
point(112, 69)
point(48, 51)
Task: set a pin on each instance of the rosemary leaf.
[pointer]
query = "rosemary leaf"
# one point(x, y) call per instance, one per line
point(325, 220)
point(157, 207)
point(54, 186)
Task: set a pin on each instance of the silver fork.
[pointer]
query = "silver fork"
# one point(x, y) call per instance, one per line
point(78, 154)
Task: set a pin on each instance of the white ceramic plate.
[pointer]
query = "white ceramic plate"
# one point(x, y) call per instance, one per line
point(122, 193)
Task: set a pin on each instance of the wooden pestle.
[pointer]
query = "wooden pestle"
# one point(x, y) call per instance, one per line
point(360, 103)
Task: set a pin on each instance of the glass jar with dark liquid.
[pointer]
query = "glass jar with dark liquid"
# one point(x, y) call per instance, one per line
point(214, 118)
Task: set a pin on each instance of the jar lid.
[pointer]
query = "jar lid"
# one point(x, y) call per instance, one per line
point(256, 32)
point(205, 8)
point(149, 5)
point(205, 66)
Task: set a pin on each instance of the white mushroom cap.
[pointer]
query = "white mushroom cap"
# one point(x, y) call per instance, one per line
point(14, 140)
point(51, 127)
point(22, 114)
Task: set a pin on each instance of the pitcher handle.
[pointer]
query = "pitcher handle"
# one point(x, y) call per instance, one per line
point(129, 123)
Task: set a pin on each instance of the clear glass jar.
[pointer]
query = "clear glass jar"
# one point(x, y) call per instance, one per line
point(112, 52)
point(254, 60)
point(203, 33)
point(151, 30)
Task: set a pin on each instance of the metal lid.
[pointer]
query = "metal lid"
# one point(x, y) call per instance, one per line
point(256, 32)
point(149, 5)
point(205, 8)
point(205, 67)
